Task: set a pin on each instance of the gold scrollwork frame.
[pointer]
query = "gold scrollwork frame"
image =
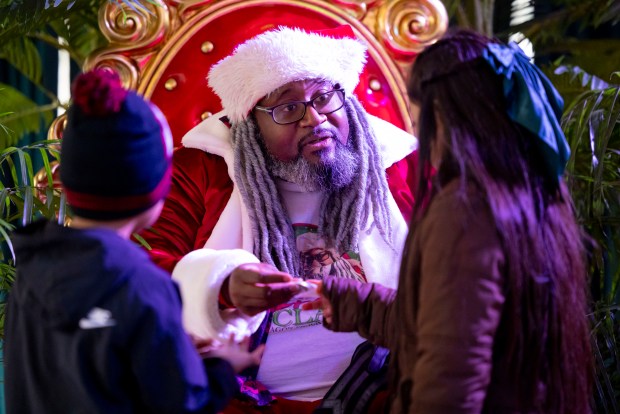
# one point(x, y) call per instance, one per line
point(141, 42)
point(401, 27)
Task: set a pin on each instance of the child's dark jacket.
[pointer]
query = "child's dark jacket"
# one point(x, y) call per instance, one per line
point(93, 327)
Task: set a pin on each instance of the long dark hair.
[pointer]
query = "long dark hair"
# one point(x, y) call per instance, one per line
point(544, 324)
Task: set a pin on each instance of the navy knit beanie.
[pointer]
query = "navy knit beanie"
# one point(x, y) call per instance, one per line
point(115, 151)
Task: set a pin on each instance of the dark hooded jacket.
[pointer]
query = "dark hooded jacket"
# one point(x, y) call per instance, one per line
point(92, 326)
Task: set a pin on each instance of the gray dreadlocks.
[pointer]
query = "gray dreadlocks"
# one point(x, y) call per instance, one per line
point(344, 210)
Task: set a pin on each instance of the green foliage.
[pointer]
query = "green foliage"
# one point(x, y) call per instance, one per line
point(591, 123)
point(7, 277)
point(47, 21)
point(606, 346)
point(598, 57)
point(585, 78)
point(569, 13)
point(473, 14)
point(572, 81)
point(20, 115)
point(592, 126)
point(68, 25)
point(80, 32)
point(22, 54)
point(549, 33)
point(21, 202)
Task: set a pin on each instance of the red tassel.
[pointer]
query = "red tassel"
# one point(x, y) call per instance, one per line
point(98, 92)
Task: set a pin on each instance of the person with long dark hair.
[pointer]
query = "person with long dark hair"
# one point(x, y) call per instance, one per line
point(490, 312)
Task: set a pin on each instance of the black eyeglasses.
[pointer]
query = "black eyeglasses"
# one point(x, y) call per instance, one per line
point(290, 112)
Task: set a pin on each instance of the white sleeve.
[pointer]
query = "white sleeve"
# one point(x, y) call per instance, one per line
point(200, 275)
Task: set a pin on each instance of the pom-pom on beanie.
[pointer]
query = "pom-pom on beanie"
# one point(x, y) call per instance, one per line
point(274, 58)
point(116, 150)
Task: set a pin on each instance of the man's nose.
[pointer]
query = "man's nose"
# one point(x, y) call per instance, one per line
point(312, 117)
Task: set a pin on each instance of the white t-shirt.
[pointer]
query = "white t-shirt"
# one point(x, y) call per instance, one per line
point(302, 359)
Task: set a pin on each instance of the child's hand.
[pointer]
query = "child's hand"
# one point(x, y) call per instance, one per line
point(203, 346)
point(321, 303)
point(236, 353)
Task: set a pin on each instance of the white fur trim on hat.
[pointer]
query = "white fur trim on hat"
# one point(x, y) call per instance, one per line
point(275, 58)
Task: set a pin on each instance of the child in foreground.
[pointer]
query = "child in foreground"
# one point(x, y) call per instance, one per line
point(92, 325)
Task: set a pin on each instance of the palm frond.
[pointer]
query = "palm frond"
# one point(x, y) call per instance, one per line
point(81, 36)
point(598, 57)
point(21, 115)
point(21, 17)
point(606, 346)
point(80, 33)
point(572, 81)
point(611, 14)
point(23, 55)
point(7, 277)
point(64, 24)
point(592, 125)
point(20, 201)
point(472, 14)
point(5, 228)
point(554, 25)
point(141, 241)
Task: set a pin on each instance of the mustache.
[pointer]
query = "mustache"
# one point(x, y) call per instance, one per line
point(319, 133)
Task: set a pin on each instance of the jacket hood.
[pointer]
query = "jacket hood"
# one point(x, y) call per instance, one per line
point(61, 273)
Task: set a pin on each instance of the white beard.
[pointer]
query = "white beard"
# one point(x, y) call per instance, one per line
point(329, 174)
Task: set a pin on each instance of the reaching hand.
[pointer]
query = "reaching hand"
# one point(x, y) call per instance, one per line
point(255, 287)
point(236, 353)
point(322, 303)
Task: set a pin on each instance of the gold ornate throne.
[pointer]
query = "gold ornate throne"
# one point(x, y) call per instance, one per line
point(166, 51)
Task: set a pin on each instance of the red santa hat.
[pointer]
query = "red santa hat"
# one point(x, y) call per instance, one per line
point(275, 58)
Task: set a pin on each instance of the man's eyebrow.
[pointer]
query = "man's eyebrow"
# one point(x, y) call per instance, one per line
point(279, 94)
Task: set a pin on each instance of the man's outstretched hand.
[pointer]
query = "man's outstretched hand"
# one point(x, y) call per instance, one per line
point(256, 287)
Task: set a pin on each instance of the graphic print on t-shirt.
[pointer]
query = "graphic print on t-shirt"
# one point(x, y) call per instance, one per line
point(302, 359)
point(317, 261)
